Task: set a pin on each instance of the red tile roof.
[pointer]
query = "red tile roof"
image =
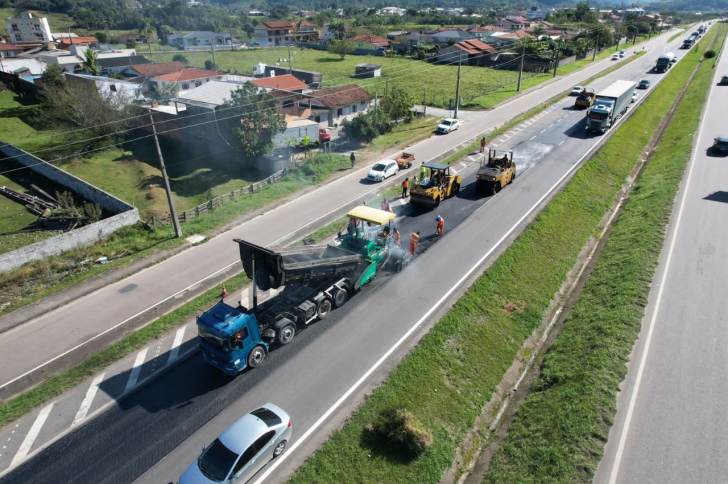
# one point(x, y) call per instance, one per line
point(286, 82)
point(284, 25)
point(77, 40)
point(188, 74)
point(158, 69)
point(475, 47)
point(10, 47)
point(335, 97)
point(372, 39)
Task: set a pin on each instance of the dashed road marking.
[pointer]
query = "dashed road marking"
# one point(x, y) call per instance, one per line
point(562, 142)
point(176, 343)
point(136, 369)
point(543, 130)
point(30, 438)
point(88, 400)
point(533, 137)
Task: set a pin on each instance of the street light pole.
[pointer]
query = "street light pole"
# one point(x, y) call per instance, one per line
point(596, 46)
point(172, 210)
point(457, 89)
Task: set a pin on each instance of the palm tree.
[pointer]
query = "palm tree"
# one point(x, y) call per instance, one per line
point(148, 32)
point(89, 64)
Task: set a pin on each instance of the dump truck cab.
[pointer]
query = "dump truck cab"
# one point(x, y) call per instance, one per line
point(496, 171)
point(441, 183)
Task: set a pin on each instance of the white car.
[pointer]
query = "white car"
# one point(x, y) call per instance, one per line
point(382, 170)
point(634, 96)
point(615, 57)
point(621, 53)
point(576, 91)
point(448, 125)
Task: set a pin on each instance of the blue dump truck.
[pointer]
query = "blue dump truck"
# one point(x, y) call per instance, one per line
point(609, 105)
point(312, 279)
point(665, 61)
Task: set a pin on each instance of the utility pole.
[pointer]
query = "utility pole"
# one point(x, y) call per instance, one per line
point(558, 54)
point(290, 68)
point(520, 71)
point(212, 49)
point(457, 89)
point(172, 211)
point(596, 46)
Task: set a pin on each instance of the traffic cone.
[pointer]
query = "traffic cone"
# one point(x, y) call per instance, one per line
point(224, 292)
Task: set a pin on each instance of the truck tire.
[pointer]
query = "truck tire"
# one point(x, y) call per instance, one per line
point(455, 189)
point(256, 356)
point(496, 188)
point(512, 177)
point(324, 308)
point(340, 297)
point(398, 266)
point(263, 278)
point(436, 202)
point(285, 331)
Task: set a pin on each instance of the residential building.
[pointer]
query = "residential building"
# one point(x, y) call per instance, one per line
point(513, 23)
point(65, 43)
point(198, 39)
point(369, 42)
point(258, 13)
point(312, 79)
point(392, 11)
point(288, 90)
point(108, 87)
point(472, 52)
point(450, 36)
point(286, 82)
point(155, 69)
point(28, 29)
point(480, 32)
point(539, 14)
point(185, 79)
point(117, 65)
point(499, 39)
point(331, 106)
point(268, 34)
point(9, 50)
point(636, 10)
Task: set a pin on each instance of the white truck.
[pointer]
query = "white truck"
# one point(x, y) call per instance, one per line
point(609, 105)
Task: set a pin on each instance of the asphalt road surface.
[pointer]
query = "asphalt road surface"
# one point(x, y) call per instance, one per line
point(328, 368)
point(61, 330)
point(671, 424)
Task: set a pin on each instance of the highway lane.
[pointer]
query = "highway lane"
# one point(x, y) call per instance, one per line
point(671, 422)
point(61, 330)
point(191, 405)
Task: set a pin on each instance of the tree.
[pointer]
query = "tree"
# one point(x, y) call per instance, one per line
point(538, 31)
point(253, 121)
point(180, 58)
point(341, 48)
point(131, 44)
point(146, 30)
point(163, 32)
point(398, 103)
point(102, 37)
point(89, 63)
point(209, 65)
point(52, 78)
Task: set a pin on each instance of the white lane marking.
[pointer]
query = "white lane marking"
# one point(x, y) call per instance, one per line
point(414, 327)
point(117, 325)
point(136, 369)
point(32, 435)
point(543, 130)
point(533, 137)
point(562, 142)
point(495, 145)
point(88, 400)
point(653, 319)
point(551, 124)
point(174, 354)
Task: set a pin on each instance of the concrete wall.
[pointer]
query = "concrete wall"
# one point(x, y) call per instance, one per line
point(125, 214)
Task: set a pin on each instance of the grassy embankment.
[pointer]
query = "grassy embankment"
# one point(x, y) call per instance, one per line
point(449, 377)
point(559, 433)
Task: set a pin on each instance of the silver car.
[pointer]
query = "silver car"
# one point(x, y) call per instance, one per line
point(243, 449)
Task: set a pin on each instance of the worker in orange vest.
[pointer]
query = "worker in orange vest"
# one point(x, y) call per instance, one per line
point(405, 186)
point(414, 240)
point(396, 237)
point(440, 225)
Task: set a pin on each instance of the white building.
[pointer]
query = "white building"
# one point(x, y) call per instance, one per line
point(28, 29)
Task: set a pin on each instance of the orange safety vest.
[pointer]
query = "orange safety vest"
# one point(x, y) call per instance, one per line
point(414, 238)
point(405, 184)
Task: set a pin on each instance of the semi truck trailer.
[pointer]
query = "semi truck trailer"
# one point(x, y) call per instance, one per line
point(609, 105)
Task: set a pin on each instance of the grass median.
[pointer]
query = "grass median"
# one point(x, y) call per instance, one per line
point(559, 433)
point(443, 385)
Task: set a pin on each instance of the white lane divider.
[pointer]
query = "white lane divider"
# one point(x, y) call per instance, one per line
point(88, 400)
point(32, 435)
point(136, 369)
point(174, 354)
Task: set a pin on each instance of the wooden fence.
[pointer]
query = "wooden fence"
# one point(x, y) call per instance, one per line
point(216, 202)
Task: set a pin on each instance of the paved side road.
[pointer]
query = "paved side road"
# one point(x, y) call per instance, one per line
point(66, 328)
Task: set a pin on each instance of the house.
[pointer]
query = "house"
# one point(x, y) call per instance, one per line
point(286, 82)
point(331, 106)
point(125, 92)
point(369, 42)
point(499, 39)
point(258, 13)
point(313, 79)
point(288, 90)
point(65, 43)
point(639, 12)
point(472, 52)
point(450, 36)
point(185, 79)
point(268, 34)
point(363, 71)
point(391, 11)
point(28, 29)
point(198, 39)
point(155, 69)
point(480, 32)
point(8, 51)
point(123, 38)
point(512, 23)
point(117, 65)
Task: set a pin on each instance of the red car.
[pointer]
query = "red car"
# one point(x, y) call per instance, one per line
point(324, 136)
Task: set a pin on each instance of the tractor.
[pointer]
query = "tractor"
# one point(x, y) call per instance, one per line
point(439, 185)
point(497, 171)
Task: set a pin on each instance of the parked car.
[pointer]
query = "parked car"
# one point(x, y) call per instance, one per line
point(644, 84)
point(720, 145)
point(634, 96)
point(243, 449)
point(621, 53)
point(448, 125)
point(724, 80)
point(382, 170)
point(576, 90)
point(615, 57)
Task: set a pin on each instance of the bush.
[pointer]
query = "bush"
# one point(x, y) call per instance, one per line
point(180, 58)
point(368, 126)
point(401, 428)
point(709, 54)
point(321, 166)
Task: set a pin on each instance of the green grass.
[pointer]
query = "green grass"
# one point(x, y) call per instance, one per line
point(58, 22)
point(676, 36)
point(53, 387)
point(559, 433)
point(452, 373)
